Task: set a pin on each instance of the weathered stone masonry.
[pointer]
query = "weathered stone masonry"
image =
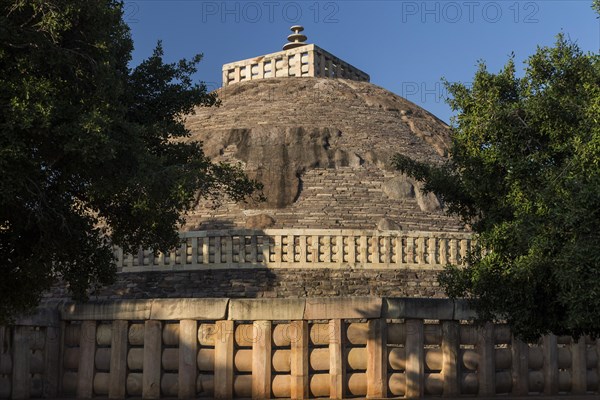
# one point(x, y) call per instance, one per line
point(269, 283)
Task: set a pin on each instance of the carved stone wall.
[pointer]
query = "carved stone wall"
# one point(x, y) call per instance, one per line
point(284, 348)
point(268, 283)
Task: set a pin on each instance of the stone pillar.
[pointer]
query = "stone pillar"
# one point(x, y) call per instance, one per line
point(237, 77)
point(450, 351)
point(520, 367)
point(298, 64)
point(311, 63)
point(377, 359)
point(550, 365)
point(225, 77)
point(52, 362)
point(261, 360)
point(260, 70)
point(299, 360)
point(21, 379)
point(188, 351)
point(118, 360)
point(486, 370)
point(337, 364)
point(579, 366)
point(224, 359)
point(415, 355)
point(152, 360)
point(87, 353)
point(364, 250)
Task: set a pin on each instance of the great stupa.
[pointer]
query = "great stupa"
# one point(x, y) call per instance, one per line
point(328, 289)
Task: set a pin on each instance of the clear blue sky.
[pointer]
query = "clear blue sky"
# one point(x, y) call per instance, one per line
point(406, 46)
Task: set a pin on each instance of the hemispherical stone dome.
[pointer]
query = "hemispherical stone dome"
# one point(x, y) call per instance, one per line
point(322, 149)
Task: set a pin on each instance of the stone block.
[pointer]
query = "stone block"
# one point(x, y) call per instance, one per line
point(462, 310)
point(43, 316)
point(343, 308)
point(266, 309)
point(419, 308)
point(109, 310)
point(193, 309)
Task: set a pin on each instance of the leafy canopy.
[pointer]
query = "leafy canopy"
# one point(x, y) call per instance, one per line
point(89, 149)
point(524, 173)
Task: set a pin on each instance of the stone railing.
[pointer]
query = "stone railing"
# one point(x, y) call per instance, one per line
point(304, 61)
point(304, 248)
point(285, 348)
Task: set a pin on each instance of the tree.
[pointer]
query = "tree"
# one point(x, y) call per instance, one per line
point(91, 154)
point(524, 174)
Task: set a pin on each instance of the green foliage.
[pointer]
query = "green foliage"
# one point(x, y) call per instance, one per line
point(91, 151)
point(524, 174)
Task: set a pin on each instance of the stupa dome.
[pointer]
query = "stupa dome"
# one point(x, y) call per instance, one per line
point(322, 149)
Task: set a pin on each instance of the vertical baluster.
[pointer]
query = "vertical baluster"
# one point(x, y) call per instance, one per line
point(328, 248)
point(303, 255)
point(253, 249)
point(421, 250)
point(431, 251)
point(410, 250)
point(351, 250)
point(183, 252)
point(218, 250)
point(266, 249)
point(339, 241)
point(443, 248)
point(387, 242)
point(228, 249)
point(128, 260)
point(399, 250)
point(278, 250)
point(376, 253)
point(242, 249)
point(205, 250)
point(453, 251)
point(120, 257)
point(464, 249)
point(161, 259)
point(315, 249)
point(364, 250)
point(291, 253)
point(172, 257)
point(139, 259)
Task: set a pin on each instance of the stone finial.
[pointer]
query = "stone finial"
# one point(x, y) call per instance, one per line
point(296, 39)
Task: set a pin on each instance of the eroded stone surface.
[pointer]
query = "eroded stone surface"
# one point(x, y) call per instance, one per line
point(399, 188)
point(386, 224)
point(322, 149)
point(259, 221)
